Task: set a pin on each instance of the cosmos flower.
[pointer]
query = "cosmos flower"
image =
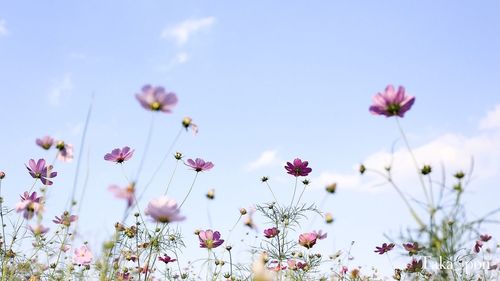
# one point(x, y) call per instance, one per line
point(392, 103)
point(45, 142)
point(166, 259)
point(199, 165)
point(164, 210)
point(38, 229)
point(126, 193)
point(485, 237)
point(38, 170)
point(209, 239)
point(29, 205)
point(478, 246)
point(66, 219)
point(320, 235)
point(412, 248)
point(187, 123)
point(271, 232)
point(156, 99)
point(119, 155)
point(384, 248)
point(308, 240)
point(414, 266)
point(82, 256)
point(298, 168)
point(65, 153)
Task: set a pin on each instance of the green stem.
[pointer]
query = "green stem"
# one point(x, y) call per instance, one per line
point(294, 190)
point(190, 189)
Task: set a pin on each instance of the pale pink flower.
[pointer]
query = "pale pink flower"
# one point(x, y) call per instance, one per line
point(164, 210)
point(82, 256)
point(65, 153)
point(126, 193)
point(156, 99)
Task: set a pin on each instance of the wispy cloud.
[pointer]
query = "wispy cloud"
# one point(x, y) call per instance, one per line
point(3, 28)
point(491, 120)
point(454, 151)
point(266, 159)
point(181, 32)
point(181, 57)
point(60, 89)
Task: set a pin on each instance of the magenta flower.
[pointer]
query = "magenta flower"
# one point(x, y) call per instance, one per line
point(126, 193)
point(308, 240)
point(392, 103)
point(65, 153)
point(38, 229)
point(119, 155)
point(157, 99)
point(412, 248)
point(166, 259)
point(298, 168)
point(271, 232)
point(384, 248)
point(210, 239)
point(66, 219)
point(164, 210)
point(414, 266)
point(478, 246)
point(38, 170)
point(485, 237)
point(45, 142)
point(82, 256)
point(199, 165)
point(30, 205)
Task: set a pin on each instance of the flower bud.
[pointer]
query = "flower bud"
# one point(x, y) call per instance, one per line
point(331, 188)
point(243, 211)
point(2, 175)
point(178, 155)
point(427, 169)
point(362, 169)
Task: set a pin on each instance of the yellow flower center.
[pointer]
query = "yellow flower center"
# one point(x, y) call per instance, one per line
point(155, 106)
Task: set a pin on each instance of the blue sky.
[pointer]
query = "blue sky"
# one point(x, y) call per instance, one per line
point(291, 79)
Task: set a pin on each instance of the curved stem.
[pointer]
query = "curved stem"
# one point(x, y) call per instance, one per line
point(146, 147)
point(190, 189)
point(294, 190)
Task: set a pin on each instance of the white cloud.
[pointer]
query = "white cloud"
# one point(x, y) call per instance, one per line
point(60, 90)
point(454, 151)
point(181, 58)
point(491, 120)
point(266, 159)
point(182, 31)
point(3, 28)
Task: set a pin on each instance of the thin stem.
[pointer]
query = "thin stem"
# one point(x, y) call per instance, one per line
point(146, 147)
point(274, 196)
point(171, 178)
point(300, 197)
point(294, 190)
point(190, 189)
point(405, 139)
point(3, 233)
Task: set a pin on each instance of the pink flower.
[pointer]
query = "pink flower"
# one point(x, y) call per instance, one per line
point(156, 99)
point(29, 205)
point(38, 170)
point(164, 210)
point(294, 265)
point(65, 153)
point(82, 256)
point(45, 142)
point(166, 259)
point(384, 248)
point(38, 229)
point(298, 168)
point(320, 235)
point(126, 193)
point(478, 246)
point(119, 155)
point(308, 240)
point(210, 239)
point(485, 237)
point(199, 165)
point(66, 219)
point(412, 248)
point(392, 103)
point(271, 232)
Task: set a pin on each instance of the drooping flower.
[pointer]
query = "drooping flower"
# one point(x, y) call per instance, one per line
point(298, 168)
point(38, 170)
point(66, 219)
point(187, 123)
point(166, 259)
point(126, 193)
point(199, 165)
point(65, 153)
point(384, 248)
point(392, 103)
point(119, 155)
point(83, 256)
point(412, 248)
point(38, 229)
point(308, 240)
point(30, 205)
point(249, 218)
point(271, 232)
point(164, 210)
point(478, 246)
point(209, 239)
point(156, 99)
point(45, 142)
